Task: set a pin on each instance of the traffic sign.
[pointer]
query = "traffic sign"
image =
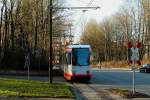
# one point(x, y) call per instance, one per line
point(134, 56)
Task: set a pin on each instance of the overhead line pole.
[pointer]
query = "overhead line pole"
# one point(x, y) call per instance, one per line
point(50, 43)
point(50, 33)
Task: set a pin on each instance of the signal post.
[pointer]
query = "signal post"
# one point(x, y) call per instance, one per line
point(133, 59)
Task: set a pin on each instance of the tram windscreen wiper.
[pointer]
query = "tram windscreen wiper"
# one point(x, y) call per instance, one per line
point(79, 64)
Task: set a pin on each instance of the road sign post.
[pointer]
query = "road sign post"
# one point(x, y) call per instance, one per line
point(133, 59)
point(27, 65)
point(133, 77)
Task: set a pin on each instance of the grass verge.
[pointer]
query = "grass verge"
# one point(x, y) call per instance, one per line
point(128, 94)
point(24, 88)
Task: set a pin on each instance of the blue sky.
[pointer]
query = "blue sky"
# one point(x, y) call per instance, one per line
point(108, 8)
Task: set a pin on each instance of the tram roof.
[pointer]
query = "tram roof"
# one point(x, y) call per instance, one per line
point(78, 46)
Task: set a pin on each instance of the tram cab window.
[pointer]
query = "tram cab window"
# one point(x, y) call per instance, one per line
point(81, 57)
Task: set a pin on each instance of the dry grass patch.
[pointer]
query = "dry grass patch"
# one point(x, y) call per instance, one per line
point(116, 64)
point(119, 64)
point(128, 94)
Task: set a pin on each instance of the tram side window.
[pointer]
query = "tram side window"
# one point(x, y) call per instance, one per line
point(68, 58)
point(64, 59)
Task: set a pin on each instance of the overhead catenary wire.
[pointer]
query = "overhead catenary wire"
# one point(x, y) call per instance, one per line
point(76, 7)
point(90, 3)
point(81, 16)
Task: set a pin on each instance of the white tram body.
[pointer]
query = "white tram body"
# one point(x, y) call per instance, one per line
point(75, 62)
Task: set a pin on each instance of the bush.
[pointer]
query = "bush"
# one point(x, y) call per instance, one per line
point(16, 59)
point(13, 60)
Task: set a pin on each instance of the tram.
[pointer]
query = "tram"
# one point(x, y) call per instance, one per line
point(75, 62)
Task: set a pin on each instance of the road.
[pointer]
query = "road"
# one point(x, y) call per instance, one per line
point(121, 79)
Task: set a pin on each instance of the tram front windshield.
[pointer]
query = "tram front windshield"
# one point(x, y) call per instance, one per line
point(80, 57)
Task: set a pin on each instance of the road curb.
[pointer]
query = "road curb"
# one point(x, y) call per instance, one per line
point(77, 93)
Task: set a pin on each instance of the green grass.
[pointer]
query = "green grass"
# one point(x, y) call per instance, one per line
point(24, 88)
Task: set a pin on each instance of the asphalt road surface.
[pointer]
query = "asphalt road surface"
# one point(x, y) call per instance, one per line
point(121, 79)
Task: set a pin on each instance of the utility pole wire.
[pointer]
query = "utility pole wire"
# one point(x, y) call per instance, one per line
point(89, 4)
point(83, 13)
point(75, 7)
